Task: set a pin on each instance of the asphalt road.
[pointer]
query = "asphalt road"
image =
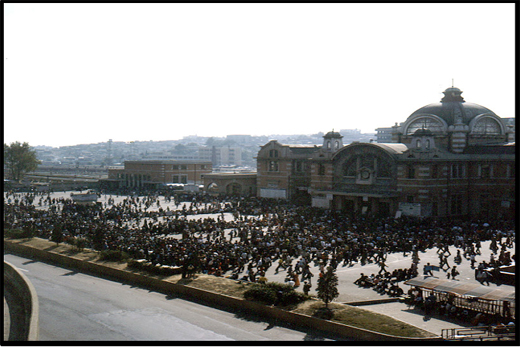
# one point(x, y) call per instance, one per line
point(79, 307)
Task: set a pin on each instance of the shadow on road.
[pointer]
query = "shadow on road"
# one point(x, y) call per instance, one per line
point(29, 262)
point(72, 273)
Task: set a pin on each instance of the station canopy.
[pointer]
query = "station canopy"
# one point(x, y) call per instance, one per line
point(463, 289)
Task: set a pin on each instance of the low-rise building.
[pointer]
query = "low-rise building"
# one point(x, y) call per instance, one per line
point(149, 174)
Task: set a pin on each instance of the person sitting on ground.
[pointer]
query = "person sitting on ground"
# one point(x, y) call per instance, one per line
point(395, 290)
point(361, 281)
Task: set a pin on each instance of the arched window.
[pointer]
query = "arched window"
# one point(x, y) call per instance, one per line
point(487, 126)
point(427, 144)
point(350, 167)
point(337, 145)
point(383, 168)
point(328, 144)
point(418, 143)
point(432, 124)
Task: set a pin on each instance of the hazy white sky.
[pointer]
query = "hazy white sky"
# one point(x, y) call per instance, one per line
point(86, 73)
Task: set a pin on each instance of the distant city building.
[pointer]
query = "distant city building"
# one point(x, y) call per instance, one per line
point(221, 156)
point(240, 139)
point(384, 135)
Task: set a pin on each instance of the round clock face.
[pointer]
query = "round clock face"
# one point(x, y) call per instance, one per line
point(365, 174)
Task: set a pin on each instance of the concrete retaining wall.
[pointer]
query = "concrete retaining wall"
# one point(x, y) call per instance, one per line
point(24, 310)
point(208, 297)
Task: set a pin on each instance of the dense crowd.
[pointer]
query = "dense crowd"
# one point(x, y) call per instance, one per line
point(261, 233)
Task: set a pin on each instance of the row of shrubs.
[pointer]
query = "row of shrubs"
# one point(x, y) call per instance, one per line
point(18, 233)
point(274, 293)
point(113, 255)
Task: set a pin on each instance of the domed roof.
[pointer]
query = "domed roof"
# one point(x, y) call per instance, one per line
point(333, 134)
point(453, 106)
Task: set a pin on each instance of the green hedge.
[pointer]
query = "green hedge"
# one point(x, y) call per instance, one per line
point(112, 255)
point(18, 233)
point(274, 293)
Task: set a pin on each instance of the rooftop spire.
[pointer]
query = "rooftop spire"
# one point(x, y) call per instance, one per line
point(452, 94)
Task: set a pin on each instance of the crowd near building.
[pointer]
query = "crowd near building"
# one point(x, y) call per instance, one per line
point(451, 158)
point(312, 206)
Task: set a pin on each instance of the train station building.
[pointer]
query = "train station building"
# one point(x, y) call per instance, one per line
point(451, 158)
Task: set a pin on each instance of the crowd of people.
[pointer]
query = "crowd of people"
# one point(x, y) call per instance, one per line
point(261, 234)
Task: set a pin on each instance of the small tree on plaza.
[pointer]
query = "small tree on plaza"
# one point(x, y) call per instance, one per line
point(57, 234)
point(328, 286)
point(19, 158)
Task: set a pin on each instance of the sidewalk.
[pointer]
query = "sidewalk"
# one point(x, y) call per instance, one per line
point(351, 293)
point(7, 321)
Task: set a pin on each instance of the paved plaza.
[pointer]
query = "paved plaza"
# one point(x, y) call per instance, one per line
point(348, 291)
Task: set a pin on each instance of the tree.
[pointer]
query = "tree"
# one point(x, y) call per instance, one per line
point(328, 286)
point(57, 233)
point(19, 158)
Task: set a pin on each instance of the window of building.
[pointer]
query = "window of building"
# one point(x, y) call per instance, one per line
point(456, 205)
point(336, 145)
point(328, 144)
point(273, 166)
point(487, 126)
point(435, 209)
point(410, 172)
point(511, 170)
point(184, 167)
point(175, 167)
point(184, 179)
point(175, 179)
point(383, 168)
point(418, 143)
point(298, 166)
point(432, 124)
point(350, 167)
point(434, 171)
point(273, 153)
point(427, 146)
point(321, 169)
point(457, 170)
point(485, 171)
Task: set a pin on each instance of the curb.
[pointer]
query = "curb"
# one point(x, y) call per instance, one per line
point(371, 302)
point(24, 324)
point(210, 298)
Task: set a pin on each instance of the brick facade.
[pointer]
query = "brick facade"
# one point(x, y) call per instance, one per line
point(448, 159)
point(152, 173)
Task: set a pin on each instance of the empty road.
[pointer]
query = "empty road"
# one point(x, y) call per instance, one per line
point(79, 307)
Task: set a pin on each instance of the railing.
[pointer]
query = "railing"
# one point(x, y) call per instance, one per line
point(479, 333)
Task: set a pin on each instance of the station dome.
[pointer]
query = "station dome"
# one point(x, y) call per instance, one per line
point(452, 107)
